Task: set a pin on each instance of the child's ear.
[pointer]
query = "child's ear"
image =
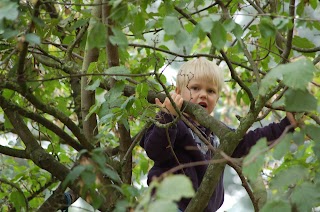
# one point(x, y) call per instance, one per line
point(178, 91)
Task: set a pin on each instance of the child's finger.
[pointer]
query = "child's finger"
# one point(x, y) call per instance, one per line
point(157, 101)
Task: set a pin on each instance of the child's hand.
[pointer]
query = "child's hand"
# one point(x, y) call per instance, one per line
point(167, 107)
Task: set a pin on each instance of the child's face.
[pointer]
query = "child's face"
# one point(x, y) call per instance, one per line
point(200, 92)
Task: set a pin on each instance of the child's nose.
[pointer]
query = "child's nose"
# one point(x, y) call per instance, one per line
point(203, 94)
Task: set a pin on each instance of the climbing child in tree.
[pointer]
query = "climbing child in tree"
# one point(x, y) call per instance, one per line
point(199, 81)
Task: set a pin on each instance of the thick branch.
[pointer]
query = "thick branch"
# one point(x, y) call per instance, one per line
point(88, 97)
point(288, 46)
point(17, 153)
point(50, 110)
point(33, 150)
point(40, 119)
point(125, 137)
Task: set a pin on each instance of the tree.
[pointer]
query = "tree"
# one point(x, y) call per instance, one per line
point(77, 88)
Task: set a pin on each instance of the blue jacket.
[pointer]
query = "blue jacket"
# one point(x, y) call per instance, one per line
point(188, 148)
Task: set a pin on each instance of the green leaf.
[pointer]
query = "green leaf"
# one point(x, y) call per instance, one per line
point(88, 177)
point(33, 38)
point(18, 200)
point(144, 164)
point(118, 38)
point(182, 38)
point(121, 71)
point(8, 10)
point(276, 206)
point(97, 36)
point(266, 27)
point(175, 187)
point(112, 97)
point(287, 177)
point(218, 35)
point(128, 103)
point(73, 174)
point(139, 23)
point(299, 101)
point(253, 162)
point(237, 31)
point(298, 74)
point(171, 25)
point(206, 24)
point(283, 147)
point(302, 42)
point(313, 3)
point(295, 75)
point(93, 86)
point(142, 90)
point(306, 196)
point(163, 206)
point(280, 23)
point(313, 131)
point(113, 175)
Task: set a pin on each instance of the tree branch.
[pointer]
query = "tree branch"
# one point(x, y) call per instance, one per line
point(288, 46)
point(17, 153)
point(19, 190)
point(52, 111)
point(88, 97)
point(40, 119)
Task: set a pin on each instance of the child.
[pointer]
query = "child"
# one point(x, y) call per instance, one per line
point(198, 81)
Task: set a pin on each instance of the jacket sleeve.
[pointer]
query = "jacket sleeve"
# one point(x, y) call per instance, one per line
point(156, 142)
point(271, 132)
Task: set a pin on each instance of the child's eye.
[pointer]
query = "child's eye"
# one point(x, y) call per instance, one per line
point(195, 88)
point(211, 91)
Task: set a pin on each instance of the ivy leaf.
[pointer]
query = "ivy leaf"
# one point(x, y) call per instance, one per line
point(287, 177)
point(283, 147)
point(171, 25)
point(253, 162)
point(175, 187)
point(306, 196)
point(218, 35)
point(276, 206)
point(299, 101)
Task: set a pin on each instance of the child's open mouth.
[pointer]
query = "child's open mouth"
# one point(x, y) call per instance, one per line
point(203, 104)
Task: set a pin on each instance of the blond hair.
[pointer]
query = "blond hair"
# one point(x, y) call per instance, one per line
point(199, 69)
